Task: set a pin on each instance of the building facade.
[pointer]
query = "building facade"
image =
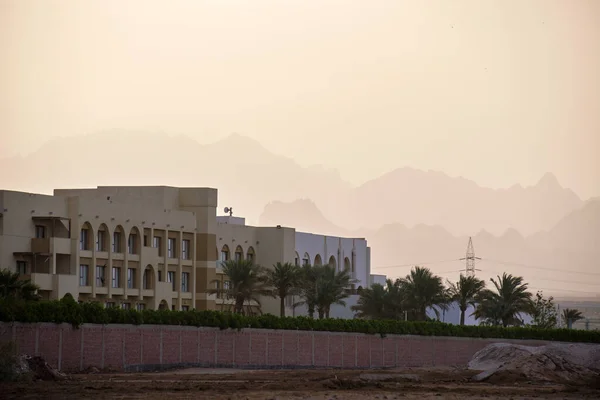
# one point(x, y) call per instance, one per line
point(269, 245)
point(150, 247)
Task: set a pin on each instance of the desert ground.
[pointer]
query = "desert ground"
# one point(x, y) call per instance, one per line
point(197, 383)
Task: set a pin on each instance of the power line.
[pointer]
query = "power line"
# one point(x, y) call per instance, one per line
point(562, 290)
point(478, 260)
point(556, 280)
point(540, 267)
point(415, 264)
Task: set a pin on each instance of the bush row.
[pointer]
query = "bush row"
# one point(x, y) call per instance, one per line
point(69, 311)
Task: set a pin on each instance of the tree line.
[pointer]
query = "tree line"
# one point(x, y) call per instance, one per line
point(503, 304)
point(318, 287)
point(409, 298)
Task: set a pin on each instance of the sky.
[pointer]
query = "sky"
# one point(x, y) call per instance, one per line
point(500, 92)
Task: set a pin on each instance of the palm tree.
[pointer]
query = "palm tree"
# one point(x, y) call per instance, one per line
point(12, 287)
point(285, 279)
point(307, 288)
point(321, 286)
point(465, 292)
point(505, 305)
point(571, 315)
point(331, 288)
point(380, 302)
point(422, 290)
point(246, 283)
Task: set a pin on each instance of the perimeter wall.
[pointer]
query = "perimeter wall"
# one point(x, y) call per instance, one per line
point(152, 347)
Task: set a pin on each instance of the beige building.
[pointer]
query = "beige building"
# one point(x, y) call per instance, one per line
point(148, 247)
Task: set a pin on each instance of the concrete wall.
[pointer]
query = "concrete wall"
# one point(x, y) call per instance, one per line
point(149, 347)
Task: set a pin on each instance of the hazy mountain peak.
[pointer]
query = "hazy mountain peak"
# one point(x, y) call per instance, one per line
point(483, 234)
point(549, 180)
point(512, 233)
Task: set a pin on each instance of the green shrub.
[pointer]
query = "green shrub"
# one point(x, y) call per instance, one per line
point(68, 311)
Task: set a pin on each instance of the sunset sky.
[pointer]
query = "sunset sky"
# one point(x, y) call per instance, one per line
point(496, 91)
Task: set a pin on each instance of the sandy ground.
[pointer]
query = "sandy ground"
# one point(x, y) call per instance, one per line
point(290, 384)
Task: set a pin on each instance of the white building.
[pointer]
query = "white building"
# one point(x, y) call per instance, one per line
point(269, 245)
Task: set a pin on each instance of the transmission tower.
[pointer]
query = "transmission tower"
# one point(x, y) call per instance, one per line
point(470, 259)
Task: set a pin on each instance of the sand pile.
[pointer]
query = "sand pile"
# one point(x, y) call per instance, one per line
point(560, 363)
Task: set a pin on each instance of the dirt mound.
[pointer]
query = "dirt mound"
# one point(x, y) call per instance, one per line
point(496, 354)
point(37, 368)
point(558, 363)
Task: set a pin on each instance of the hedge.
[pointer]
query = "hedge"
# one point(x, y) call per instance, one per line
point(69, 311)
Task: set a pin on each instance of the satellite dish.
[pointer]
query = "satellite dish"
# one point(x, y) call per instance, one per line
point(228, 210)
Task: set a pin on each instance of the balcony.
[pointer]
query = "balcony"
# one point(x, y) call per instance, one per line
point(44, 281)
point(59, 284)
point(51, 245)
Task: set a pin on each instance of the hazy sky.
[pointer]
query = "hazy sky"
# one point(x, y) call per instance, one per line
point(496, 91)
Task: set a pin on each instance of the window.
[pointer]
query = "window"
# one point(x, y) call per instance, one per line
point(40, 231)
point(100, 241)
point(160, 276)
point(305, 261)
point(185, 249)
point(238, 256)
point(171, 248)
point(130, 278)
point(296, 263)
point(116, 277)
point(83, 275)
point(171, 278)
point(140, 306)
point(109, 304)
point(250, 257)
point(226, 285)
point(157, 244)
point(224, 255)
point(145, 240)
point(83, 240)
point(22, 267)
point(100, 275)
point(131, 244)
point(116, 242)
point(185, 281)
point(126, 306)
point(185, 308)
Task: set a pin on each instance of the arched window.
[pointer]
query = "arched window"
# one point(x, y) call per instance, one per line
point(250, 255)
point(332, 262)
point(85, 236)
point(134, 241)
point(347, 265)
point(102, 238)
point(239, 253)
point(318, 260)
point(118, 239)
point(225, 253)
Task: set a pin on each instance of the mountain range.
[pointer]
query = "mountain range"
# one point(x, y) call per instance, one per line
point(248, 176)
point(563, 260)
point(408, 215)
